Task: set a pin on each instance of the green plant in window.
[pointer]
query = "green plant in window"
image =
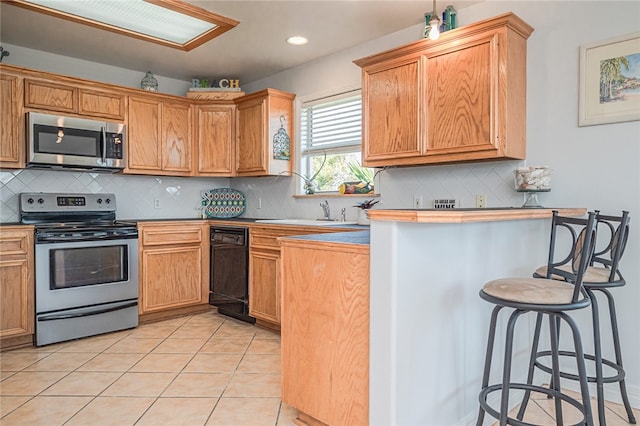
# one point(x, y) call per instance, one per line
point(310, 182)
point(363, 174)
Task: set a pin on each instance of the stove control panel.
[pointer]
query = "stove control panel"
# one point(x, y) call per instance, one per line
point(64, 202)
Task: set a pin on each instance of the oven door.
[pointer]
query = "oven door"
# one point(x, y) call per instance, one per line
point(85, 273)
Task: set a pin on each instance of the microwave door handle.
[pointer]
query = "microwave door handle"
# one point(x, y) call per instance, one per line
point(103, 144)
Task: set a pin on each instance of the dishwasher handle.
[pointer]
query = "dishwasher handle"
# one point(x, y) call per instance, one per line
point(232, 236)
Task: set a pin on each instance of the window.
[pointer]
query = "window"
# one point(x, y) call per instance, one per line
point(331, 133)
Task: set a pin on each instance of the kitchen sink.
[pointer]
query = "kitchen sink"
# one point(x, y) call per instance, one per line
point(305, 222)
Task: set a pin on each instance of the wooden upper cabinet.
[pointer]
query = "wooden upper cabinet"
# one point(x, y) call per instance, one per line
point(159, 137)
point(459, 98)
point(144, 154)
point(216, 136)
point(51, 96)
point(262, 116)
point(176, 138)
point(12, 145)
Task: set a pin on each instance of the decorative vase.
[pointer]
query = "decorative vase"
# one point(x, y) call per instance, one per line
point(363, 217)
point(309, 187)
point(149, 83)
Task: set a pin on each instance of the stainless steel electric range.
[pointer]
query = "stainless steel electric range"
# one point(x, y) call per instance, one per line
point(86, 265)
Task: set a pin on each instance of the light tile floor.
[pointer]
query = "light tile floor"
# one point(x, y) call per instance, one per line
point(202, 369)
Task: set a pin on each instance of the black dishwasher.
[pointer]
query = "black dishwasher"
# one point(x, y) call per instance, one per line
point(229, 283)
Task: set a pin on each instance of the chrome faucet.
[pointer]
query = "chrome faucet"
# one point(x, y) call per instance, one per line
point(326, 210)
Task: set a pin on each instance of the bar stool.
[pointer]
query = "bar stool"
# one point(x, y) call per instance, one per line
point(602, 274)
point(545, 296)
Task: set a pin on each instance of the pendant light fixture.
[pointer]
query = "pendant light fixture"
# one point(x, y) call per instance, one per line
point(434, 32)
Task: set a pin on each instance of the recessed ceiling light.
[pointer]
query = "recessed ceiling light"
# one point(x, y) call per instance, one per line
point(171, 23)
point(297, 40)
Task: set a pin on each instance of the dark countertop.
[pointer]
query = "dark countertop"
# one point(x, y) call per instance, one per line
point(355, 237)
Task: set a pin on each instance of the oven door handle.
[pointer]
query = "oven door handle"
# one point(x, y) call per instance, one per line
point(54, 239)
point(87, 314)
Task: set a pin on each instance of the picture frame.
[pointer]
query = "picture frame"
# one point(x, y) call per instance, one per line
point(610, 81)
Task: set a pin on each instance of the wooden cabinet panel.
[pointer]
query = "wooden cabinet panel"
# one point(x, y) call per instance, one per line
point(171, 277)
point(50, 96)
point(174, 266)
point(460, 98)
point(325, 331)
point(176, 138)
point(264, 285)
point(251, 154)
point(216, 139)
point(159, 137)
point(259, 117)
point(16, 284)
point(143, 136)
point(12, 142)
point(100, 104)
point(391, 102)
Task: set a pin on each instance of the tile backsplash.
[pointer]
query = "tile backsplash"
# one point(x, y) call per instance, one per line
point(267, 197)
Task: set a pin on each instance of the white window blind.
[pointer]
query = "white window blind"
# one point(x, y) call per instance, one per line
point(331, 124)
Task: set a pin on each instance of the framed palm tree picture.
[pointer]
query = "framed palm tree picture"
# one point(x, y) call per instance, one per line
point(610, 81)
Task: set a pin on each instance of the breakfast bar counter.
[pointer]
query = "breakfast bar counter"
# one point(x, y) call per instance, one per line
point(428, 326)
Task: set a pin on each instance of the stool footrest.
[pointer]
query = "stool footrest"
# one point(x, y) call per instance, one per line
point(526, 387)
point(591, 379)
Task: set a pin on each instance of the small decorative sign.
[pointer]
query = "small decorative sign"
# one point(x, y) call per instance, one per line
point(281, 143)
point(220, 84)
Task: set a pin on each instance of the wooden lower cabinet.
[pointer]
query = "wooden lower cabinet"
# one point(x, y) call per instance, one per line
point(325, 331)
point(174, 267)
point(264, 269)
point(16, 286)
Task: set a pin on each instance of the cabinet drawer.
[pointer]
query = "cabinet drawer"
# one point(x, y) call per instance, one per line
point(14, 244)
point(49, 96)
point(164, 236)
point(100, 104)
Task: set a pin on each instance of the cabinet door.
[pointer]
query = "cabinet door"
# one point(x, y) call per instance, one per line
point(50, 96)
point(216, 140)
point(462, 96)
point(176, 138)
point(16, 284)
point(12, 144)
point(392, 93)
point(251, 156)
point(143, 141)
point(101, 104)
point(171, 278)
point(264, 285)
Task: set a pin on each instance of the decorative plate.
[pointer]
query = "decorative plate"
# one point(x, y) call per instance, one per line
point(223, 202)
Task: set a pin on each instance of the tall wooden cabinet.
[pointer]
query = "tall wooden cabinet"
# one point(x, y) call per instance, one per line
point(263, 118)
point(16, 286)
point(174, 266)
point(159, 136)
point(459, 98)
point(216, 139)
point(12, 145)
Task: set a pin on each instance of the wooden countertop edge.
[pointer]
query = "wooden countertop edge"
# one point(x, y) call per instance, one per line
point(324, 245)
point(467, 216)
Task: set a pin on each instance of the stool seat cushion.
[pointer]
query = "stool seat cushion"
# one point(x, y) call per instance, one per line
point(594, 274)
point(539, 291)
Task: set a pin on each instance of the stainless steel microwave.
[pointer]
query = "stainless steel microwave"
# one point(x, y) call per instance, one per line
point(61, 142)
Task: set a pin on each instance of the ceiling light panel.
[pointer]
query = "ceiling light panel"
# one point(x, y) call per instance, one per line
point(173, 22)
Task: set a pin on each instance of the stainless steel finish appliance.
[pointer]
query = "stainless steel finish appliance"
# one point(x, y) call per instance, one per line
point(86, 265)
point(60, 142)
point(229, 283)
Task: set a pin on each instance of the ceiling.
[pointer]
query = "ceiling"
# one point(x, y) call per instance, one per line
point(255, 49)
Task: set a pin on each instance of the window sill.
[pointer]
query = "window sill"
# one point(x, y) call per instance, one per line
point(335, 195)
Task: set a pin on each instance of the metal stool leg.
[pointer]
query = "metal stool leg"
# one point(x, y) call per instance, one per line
point(597, 346)
point(532, 365)
point(506, 372)
point(488, 357)
point(618, 353)
point(582, 369)
point(555, 366)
